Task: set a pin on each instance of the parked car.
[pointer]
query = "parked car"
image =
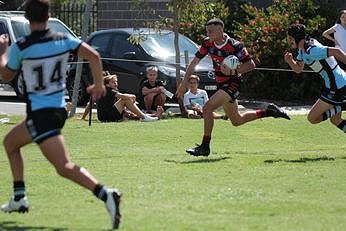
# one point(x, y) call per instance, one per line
point(16, 25)
point(129, 61)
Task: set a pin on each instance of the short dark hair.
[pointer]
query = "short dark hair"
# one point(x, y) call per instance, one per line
point(297, 31)
point(37, 10)
point(215, 21)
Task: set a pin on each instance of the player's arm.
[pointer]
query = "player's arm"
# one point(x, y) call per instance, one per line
point(337, 53)
point(327, 34)
point(7, 74)
point(296, 66)
point(247, 66)
point(246, 62)
point(189, 71)
point(87, 52)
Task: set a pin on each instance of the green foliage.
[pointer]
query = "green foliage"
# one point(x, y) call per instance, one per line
point(61, 2)
point(10, 4)
point(236, 14)
point(193, 16)
point(264, 34)
point(142, 10)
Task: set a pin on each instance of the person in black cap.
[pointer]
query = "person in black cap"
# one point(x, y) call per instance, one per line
point(322, 60)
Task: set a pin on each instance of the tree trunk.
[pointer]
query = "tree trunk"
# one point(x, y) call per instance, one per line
point(177, 54)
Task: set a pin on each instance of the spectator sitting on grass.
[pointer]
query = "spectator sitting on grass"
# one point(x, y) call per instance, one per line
point(153, 90)
point(116, 106)
point(195, 98)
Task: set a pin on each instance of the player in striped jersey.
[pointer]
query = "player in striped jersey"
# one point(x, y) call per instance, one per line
point(321, 59)
point(219, 45)
point(42, 57)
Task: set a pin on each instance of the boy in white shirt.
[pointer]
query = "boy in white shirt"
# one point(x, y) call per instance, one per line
point(195, 98)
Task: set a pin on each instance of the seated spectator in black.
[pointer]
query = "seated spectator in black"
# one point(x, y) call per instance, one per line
point(114, 106)
point(153, 90)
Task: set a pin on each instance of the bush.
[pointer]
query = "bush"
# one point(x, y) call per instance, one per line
point(265, 37)
point(194, 15)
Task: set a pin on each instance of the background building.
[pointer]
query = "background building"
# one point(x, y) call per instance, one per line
point(121, 13)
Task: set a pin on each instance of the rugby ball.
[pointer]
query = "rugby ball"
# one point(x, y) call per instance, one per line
point(231, 62)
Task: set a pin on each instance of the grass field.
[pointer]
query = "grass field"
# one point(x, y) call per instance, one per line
point(270, 174)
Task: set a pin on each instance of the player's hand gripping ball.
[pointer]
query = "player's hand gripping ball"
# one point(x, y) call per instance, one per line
point(231, 62)
point(229, 65)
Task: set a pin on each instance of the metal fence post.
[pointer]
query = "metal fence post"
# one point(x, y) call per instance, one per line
point(85, 26)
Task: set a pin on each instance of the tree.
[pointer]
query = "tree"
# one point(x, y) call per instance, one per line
point(265, 37)
point(10, 4)
point(61, 2)
point(193, 15)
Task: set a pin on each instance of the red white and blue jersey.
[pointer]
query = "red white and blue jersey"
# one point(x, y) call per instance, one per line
point(219, 52)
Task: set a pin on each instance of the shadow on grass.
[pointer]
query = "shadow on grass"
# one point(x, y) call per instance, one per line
point(10, 225)
point(203, 160)
point(302, 160)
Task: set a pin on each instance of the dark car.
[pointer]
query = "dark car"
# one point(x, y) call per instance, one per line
point(129, 61)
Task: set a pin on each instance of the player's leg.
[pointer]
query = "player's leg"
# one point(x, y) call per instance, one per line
point(215, 101)
point(218, 99)
point(13, 141)
point(321, 111)
point(54, 150)
point(339, 122)
point(236, 118)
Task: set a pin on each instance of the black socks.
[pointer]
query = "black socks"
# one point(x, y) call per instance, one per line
point(100, 192)
point(18, 190)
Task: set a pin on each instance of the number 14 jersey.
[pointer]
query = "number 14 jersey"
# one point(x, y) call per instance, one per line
point(42, 57)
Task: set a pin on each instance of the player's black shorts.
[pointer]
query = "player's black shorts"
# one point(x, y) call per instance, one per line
point(111, 115)
point(337, 97)
point(45, 123)
point(231, 87)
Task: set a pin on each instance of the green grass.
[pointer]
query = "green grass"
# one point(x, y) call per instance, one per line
point(269, 174)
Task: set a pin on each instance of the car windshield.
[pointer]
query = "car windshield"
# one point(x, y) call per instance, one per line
point(21, 28)
point(161, 45)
